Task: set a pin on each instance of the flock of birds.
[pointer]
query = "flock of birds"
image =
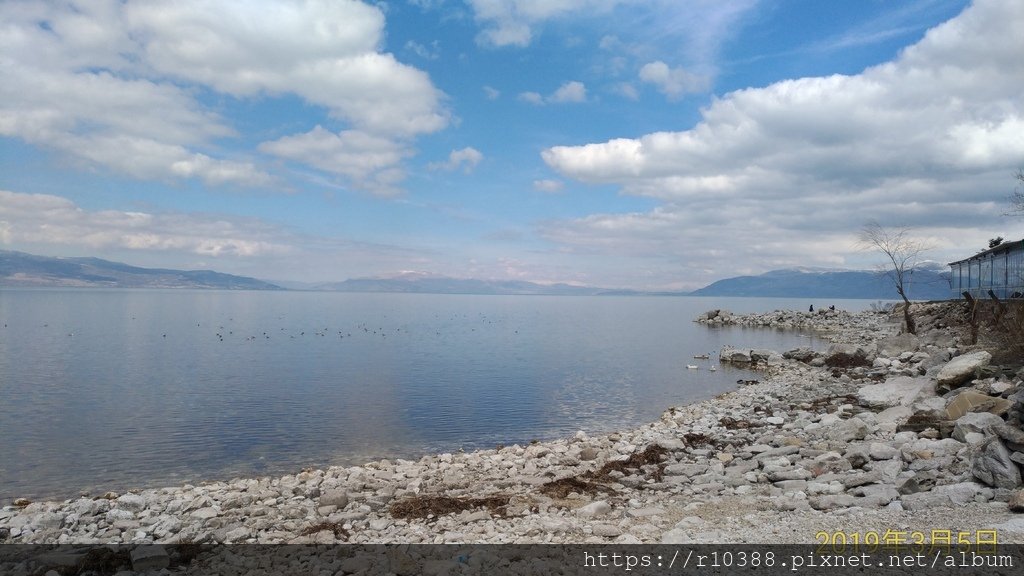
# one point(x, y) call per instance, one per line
point(365, 328)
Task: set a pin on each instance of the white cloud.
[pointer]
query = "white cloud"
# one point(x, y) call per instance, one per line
point(115, 84)
point(548, 186)
point(492, 93)
point(52, 225)
point(511, 22)
point(572, 92)
point(532, 98)
point(927, 140)
point(370, 162)
point(466, 158)
point(40, 219)
point(672, 82)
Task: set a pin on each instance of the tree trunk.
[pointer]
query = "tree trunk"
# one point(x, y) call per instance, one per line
point(907, 318)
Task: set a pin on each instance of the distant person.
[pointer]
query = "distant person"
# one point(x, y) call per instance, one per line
point(811, 309)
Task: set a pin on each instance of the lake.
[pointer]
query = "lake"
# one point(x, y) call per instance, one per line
point(117, 389)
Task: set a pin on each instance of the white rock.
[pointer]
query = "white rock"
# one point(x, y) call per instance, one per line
point(962, 368)
point(599, 508)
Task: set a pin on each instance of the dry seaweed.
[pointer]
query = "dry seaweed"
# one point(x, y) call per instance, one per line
point(339, 531)
point(564, 486)
point(427, 506)
point(652, 455)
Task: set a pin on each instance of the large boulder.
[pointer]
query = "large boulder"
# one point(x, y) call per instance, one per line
point(730, 354)
point(893, 346)
point(993, 466)
point(901, 391)
point(974, 423)
point(962, 369)
point(846, 356)
point(972, 401)
point(804, 355)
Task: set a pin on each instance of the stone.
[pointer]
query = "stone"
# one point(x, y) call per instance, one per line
point(976, 422)
point(149, 557)
point(901, 391)
point(962, 369)
point(832, 501)
point(132, 502)
point(894, 416)
point(1016, 502)
point(895, 345)
point(599, 508)
point(848, 430)
point(237, 534)
point(606, 530)
point(804, 355)
point(846, 356)
point(1013, 438)
point(589, 453)
point(927, 419)
point(993, 466)
point(880, 451)
point(206, 513)
point(734, 356)
point(971, 401)
point(334, 497)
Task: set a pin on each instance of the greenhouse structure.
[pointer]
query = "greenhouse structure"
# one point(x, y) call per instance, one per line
point(996, 272)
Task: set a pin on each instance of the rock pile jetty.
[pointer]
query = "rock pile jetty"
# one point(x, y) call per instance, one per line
point(881, 431)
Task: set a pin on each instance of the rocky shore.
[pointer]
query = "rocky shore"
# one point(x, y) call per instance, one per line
point(881, 432)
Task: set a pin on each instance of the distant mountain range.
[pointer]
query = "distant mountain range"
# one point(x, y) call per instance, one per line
point(929, 282)
point(20, 269)
point(419, 283)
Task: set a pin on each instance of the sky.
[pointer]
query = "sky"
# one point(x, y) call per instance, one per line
point(644, 144)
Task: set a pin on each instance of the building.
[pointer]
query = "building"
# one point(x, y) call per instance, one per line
point(999, 270)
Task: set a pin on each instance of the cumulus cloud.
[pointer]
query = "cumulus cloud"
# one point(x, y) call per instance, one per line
point(115, 84)
point(572, 92)
point(927, 139)
point(41, 219)
point(466, 158)
point(672, 82)
point(370, 162)
point(532, 97)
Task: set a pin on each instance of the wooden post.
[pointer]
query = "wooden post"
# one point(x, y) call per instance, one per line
point(973, 319)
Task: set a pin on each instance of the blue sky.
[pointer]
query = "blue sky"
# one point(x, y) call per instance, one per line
point(657, 144)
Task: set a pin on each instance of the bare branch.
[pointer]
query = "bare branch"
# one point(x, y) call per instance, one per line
point(904, 254)
point(1017, 198)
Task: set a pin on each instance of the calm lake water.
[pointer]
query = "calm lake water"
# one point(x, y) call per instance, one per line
point(116, 389)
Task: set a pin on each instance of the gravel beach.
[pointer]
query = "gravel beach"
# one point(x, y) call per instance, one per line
point(882, 434)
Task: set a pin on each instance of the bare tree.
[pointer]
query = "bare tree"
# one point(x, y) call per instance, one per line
point(1017, 198)
point(904, 255)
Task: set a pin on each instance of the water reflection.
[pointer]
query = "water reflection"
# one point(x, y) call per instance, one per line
point(163, 387)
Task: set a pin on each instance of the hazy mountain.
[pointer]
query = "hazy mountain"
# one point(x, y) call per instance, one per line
point(429, 284)
point(20, 269)
point(930, 282)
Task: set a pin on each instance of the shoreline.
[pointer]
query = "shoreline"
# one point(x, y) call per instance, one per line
point(810, 448)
